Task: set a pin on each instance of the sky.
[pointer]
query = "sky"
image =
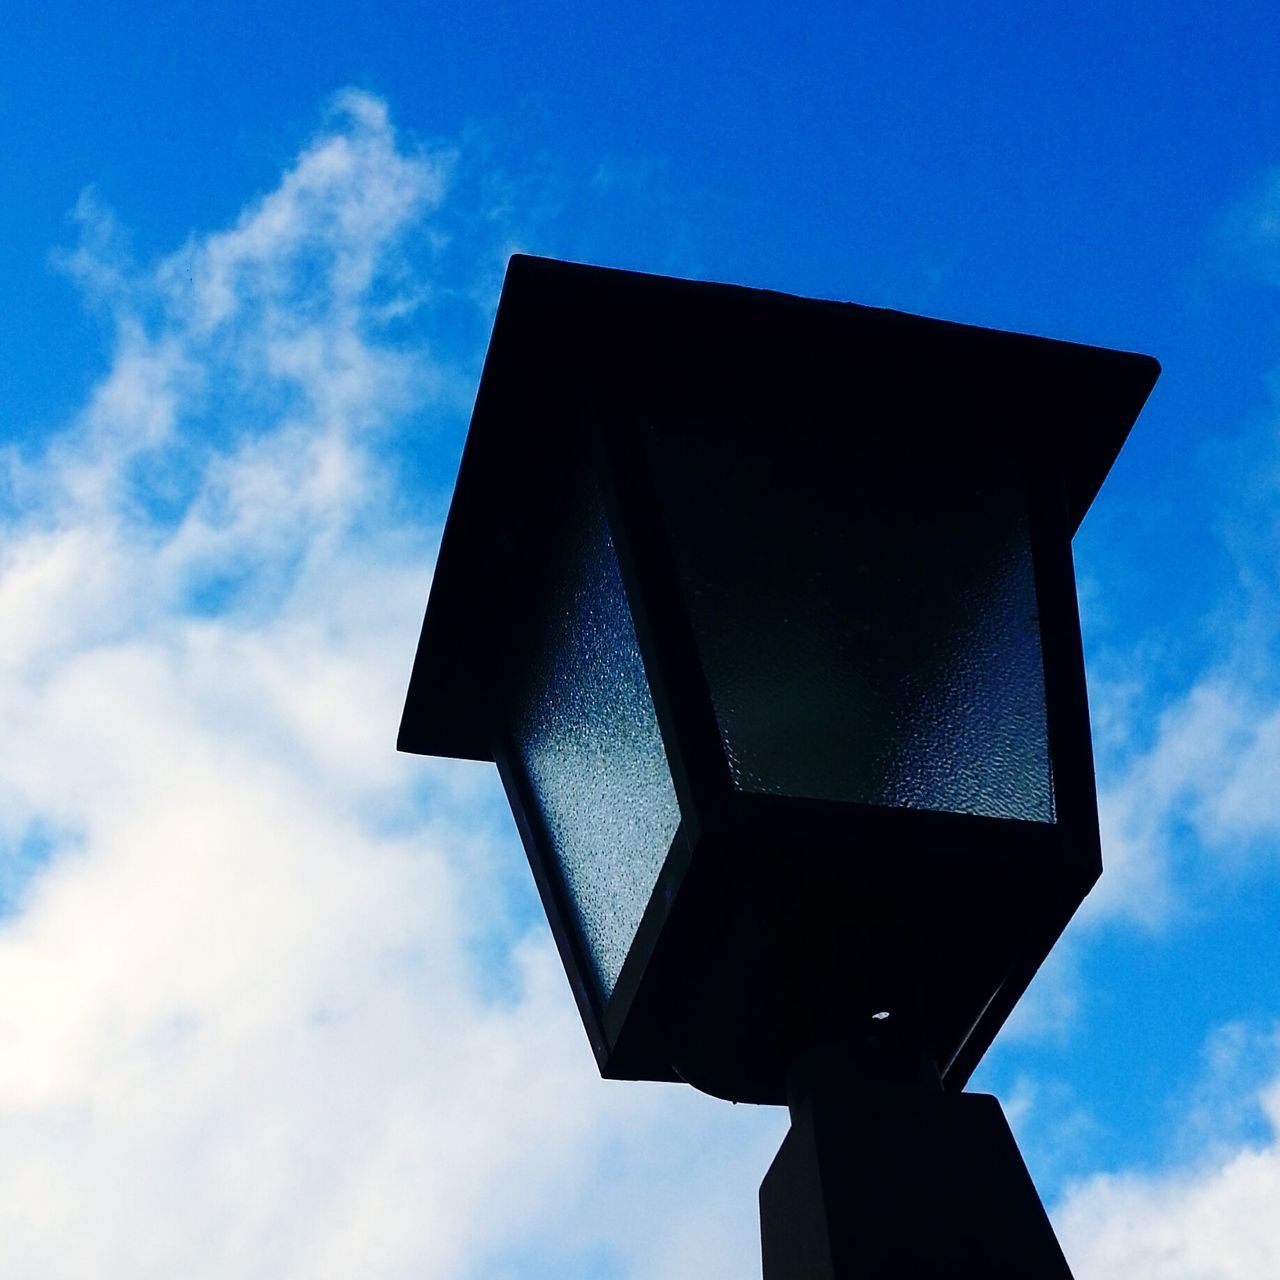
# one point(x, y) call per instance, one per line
point(278, 1002)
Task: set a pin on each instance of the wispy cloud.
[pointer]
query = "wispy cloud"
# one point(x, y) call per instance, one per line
point(1248, 235)
point(1190, 812)
point(1185, 805)
point(1211, 1214)
point(1199, 791)
point(247, 994)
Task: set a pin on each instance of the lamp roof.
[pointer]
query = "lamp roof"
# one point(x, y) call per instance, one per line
point(577, 346)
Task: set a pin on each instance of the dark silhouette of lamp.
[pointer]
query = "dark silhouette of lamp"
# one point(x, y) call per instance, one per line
point(765, 609)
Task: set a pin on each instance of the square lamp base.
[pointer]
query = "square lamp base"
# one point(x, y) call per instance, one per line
point(884, 1176)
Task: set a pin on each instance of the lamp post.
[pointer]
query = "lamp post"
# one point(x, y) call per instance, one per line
point(765, 609)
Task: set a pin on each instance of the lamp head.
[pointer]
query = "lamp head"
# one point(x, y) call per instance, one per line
point(764, 608)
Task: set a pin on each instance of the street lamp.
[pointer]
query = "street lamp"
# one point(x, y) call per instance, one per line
point(765, 609)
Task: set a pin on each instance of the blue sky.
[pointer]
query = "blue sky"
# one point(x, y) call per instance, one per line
point(276, 1001)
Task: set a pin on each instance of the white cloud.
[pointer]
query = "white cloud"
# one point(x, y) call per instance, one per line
point(1211, 1215)
point(1197, 744)
point(1200, 800)
point(249, 1011)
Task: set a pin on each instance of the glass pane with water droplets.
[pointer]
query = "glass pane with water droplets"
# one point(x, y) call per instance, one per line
point(866, 618)
point(587, 738)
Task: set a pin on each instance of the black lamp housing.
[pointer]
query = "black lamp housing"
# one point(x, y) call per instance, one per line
point(765, 608)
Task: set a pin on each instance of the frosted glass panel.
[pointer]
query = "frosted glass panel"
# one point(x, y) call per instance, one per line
point(867, 620)
point(587, 737)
